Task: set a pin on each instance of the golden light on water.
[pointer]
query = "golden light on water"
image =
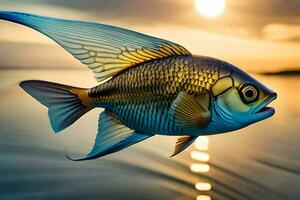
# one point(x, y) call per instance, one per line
point(200, 156)
point(210, 8)
point(203, 197)
point(203, 186)
point(201, 146)
point(199, 168)
point(202, 140)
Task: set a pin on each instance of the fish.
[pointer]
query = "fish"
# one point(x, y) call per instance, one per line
point(147, 86)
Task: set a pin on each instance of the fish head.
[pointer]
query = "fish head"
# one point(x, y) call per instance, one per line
point(241, 100)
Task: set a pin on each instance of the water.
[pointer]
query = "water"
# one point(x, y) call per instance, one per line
point(258, 162)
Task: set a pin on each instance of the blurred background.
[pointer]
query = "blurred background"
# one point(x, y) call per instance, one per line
point(258, 162)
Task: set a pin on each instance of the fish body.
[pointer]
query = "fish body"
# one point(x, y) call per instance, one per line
point(148, 86)
point(146, 92)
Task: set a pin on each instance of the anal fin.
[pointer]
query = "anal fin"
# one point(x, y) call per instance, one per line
point(183, 143)
point(112, 136)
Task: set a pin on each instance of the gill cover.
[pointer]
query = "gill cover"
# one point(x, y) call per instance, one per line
point(105, 49)
point(240, 99)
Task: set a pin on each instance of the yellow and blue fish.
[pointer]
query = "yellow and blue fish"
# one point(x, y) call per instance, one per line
point(148, 86)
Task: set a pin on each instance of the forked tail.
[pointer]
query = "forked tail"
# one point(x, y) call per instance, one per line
point(65, 103)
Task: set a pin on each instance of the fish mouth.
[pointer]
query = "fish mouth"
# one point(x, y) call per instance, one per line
point(263, 109)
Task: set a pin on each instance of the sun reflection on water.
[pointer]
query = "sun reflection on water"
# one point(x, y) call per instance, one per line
point(203, 186)
point(203, 197)
point(201, 146)
point(201, 157)
point(200, 168)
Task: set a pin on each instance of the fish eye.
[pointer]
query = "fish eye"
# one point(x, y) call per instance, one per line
point(249, 93)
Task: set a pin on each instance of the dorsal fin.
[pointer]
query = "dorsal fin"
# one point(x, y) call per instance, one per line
point(105, 49)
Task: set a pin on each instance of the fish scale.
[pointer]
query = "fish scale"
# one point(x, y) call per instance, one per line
point(146, 92)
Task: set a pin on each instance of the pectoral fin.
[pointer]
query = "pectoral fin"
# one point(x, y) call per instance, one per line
point(183, 143)
point(191, 112)
point(112, 136)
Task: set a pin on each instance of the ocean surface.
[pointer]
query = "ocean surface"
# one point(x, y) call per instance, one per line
point(261, 161)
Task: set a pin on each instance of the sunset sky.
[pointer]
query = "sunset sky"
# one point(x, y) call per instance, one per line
point(256, 35)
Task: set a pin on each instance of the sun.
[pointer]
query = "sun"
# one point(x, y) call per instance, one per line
point(210, 8)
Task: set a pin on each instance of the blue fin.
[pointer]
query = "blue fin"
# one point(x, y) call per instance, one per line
point(107, 50)
point(112, 136)
point(63, 102)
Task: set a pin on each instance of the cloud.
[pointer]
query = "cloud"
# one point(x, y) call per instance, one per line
point(253, 14)
point(271, 8)
point(145, 11)
point(247, 18)
point(282, 32)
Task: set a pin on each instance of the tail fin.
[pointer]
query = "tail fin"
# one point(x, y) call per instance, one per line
point(65, 103)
